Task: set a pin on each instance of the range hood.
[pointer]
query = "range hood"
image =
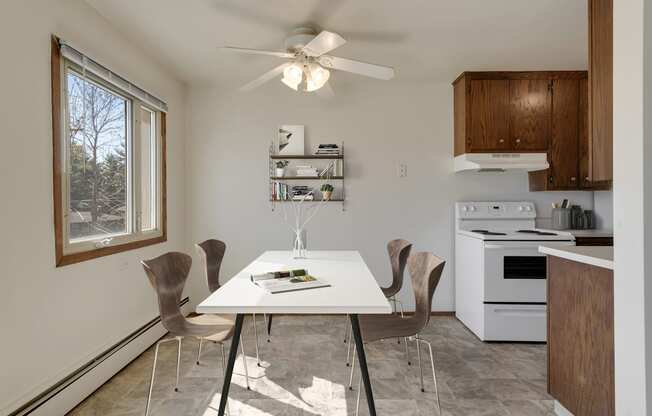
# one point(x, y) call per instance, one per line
point(500, 162)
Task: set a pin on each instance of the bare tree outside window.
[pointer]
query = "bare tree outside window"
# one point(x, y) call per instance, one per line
point(97, 126)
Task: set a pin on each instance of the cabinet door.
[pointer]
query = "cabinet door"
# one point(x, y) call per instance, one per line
point(584, 148)
point(529, 114)
point(600, 90)
point(489, 109)
point(564, 146)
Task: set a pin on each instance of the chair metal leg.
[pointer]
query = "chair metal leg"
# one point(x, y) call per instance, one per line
point(352, 367)
point(434, 374)
point(151, 380)
point(407, 350)
point(346, 330)
point(357, 401)
point(176, 386)
point(244, 362)
point(348, 348)
point(269, 327)
point(199, 350)
point(256, 336)
point(420, 366)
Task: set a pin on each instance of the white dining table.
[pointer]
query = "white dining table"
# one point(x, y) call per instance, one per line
point(353, 290)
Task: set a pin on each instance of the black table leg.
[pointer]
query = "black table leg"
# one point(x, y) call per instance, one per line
point(233, 353)
point(362, 359)
point(269, 326)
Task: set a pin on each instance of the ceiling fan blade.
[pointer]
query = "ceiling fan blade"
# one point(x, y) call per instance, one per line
point(259, 52)
point(267, 76)
point(357, 67)
point(326, 91)
point(324, 42)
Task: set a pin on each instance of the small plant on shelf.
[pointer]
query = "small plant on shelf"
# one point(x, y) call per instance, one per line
point(280, 167)
point(327, 191)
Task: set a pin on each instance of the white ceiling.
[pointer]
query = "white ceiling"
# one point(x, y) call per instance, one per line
point(422, 39)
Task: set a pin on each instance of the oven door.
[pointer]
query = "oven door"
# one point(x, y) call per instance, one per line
point(515, 271)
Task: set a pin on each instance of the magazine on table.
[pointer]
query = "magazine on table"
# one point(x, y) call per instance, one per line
point(287, 281)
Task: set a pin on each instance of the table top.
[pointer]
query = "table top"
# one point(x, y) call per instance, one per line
point(353, 289)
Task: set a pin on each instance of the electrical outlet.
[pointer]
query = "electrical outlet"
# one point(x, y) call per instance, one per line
point(402, 170)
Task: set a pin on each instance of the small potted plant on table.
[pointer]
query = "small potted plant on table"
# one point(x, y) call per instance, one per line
point(280, 167)
point(326, 191)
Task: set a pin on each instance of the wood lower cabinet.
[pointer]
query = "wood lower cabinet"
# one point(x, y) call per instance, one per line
point(581, 337)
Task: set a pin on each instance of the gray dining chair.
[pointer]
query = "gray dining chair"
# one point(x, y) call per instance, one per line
point(212, 252)
point(425, 272)
point(398, 251)
point(168, 274)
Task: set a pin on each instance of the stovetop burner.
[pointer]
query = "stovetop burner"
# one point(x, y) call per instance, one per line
point(535, 232)
point(487, 232)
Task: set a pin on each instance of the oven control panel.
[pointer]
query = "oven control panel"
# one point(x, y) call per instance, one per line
point(504, 210)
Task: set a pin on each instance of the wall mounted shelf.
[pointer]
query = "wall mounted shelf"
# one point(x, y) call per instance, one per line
point(305, 178)
point(281, 181)
point(276, 157)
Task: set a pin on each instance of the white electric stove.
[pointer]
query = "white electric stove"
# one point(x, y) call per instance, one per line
point(500, 276)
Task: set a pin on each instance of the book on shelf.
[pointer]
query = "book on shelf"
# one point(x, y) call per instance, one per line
point(280, 192)
point(287, 281)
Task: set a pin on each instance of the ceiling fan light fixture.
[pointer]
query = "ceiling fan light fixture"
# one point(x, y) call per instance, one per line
point(293, 73)
point(289, 83)
point(318, 77)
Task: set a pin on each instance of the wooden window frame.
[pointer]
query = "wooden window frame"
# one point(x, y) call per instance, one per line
point(63, 258)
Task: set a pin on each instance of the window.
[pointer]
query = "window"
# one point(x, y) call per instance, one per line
point(109, 168)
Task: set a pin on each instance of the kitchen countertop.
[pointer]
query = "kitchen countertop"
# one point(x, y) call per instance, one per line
point(600, 256)
point(587, 233)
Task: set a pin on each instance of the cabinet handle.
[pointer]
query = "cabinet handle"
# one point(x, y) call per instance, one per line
point(518, 140)
point(501, 140)
point(587, 179)
point(573, 178)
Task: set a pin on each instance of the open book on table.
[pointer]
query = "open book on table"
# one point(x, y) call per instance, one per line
point(287, 281)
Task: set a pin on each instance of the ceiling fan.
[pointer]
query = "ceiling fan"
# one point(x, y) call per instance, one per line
point(309, 67)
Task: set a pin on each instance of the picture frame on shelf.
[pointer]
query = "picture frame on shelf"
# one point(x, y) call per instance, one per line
point(290, 140)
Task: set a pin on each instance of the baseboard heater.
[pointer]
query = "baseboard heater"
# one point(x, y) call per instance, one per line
point(61, 385)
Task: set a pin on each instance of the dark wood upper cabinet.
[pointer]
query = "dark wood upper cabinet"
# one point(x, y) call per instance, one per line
point(530, 103)
point(600, 154)
point(489, 115)
point(564, 143)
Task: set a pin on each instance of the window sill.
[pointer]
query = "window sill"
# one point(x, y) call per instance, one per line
point(73, 258)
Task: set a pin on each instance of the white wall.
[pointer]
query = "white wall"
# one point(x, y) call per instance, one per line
point(603, 206)
point(382, 124)
point(632, 194)
point(54, 319)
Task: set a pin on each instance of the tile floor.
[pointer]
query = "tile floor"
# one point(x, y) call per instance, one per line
point(304, 373)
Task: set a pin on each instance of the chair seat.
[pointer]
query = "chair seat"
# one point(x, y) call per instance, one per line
point(377, 327)
point(390, 291)
point(215, 329)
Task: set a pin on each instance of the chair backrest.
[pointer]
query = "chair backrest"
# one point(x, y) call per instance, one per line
point(168, 274)
point(399, 251)
point(212, 253)
point(425, 271)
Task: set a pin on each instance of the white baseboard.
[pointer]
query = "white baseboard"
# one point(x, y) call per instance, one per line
point(74, 393)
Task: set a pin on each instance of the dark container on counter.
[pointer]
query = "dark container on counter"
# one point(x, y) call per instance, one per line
point(577, 217)
point(589, 219)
